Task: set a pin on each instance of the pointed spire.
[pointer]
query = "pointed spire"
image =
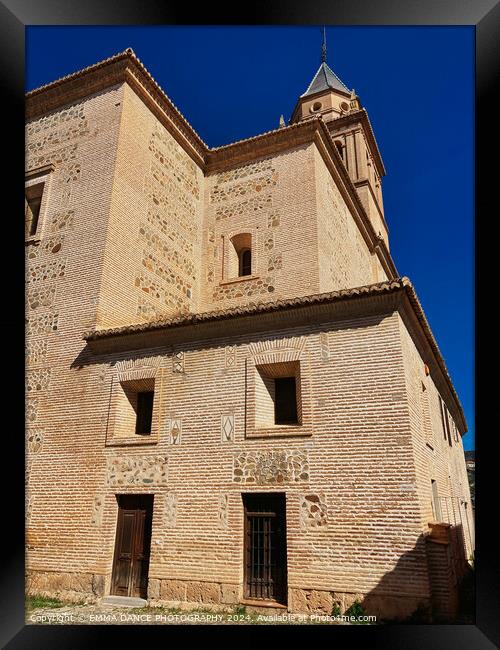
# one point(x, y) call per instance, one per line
point(323, 46)
point(282, 121)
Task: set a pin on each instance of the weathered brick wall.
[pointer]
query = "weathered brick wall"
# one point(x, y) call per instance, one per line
point(357, 465)
point(152, 262)
point(343, 255)
point(433, 456)
point(63, 276)
point(273, 199)
point(131, 230)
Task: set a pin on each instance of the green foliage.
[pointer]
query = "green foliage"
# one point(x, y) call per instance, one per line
point(356, 610)
point(336, 611)
point(241, 610)
point(36, 602)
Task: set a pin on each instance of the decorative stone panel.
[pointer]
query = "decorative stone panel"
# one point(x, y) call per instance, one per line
point(40, 297)
point(35, 441)
point(71, 172)
point(166, 197)
point(230, 356)
point(273, 219)
point(269, 243)
point(157, 220)
point(31, 410)
point(313, 511)
point(227, 428)
point(37, 379)
point(178, 361)
point(174, 431)
point(275, 262)
point(244, 171)
point(222, 511)
point(36, 352)
point(137, 470)
point(249, 206)
point(324, 346)
point(97, 510)
point(46, 271)
point(56, 157)
point(169, 254)
point(156, 266)
point(242, 288)
point(170, 510)
point(61, 220)
point(43, 324)
point(154, 289)
point(48, 247)
point(148, 311)
point(271, 467)
point(235, 191)
point(173, 159)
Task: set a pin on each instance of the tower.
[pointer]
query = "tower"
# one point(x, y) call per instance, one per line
point(349, 125)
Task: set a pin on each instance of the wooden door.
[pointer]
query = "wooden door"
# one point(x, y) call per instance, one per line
point(265, 547)
point(132, 546)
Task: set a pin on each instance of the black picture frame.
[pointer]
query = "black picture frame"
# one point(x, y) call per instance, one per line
point(15, 15)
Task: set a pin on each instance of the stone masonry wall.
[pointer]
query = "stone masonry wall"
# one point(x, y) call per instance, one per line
point(433, 456)
point(152, 262)
point(63, 264)
point(352, 521)
point(273, 200)
point(344, 258)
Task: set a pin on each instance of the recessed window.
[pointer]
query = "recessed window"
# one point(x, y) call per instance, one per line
point(144, 413)
point(245, 262)
point(278, 394)
point(239, 259)
point(445, 421)
point(285, 400)
point(436, 502)
point(344, 106)
point(133, 410)
point(316, 106)
point(33, 202)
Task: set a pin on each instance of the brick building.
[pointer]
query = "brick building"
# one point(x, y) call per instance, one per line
point(232, 396)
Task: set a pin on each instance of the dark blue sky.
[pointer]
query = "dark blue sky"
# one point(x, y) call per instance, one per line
point(417, 84)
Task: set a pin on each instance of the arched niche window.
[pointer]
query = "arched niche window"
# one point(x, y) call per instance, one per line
point(245, 262)
point(240, 255)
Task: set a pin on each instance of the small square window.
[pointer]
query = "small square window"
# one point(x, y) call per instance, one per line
point(133, 412)
point(278, 399)
point(278, 395)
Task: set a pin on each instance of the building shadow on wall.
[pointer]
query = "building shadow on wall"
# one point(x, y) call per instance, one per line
point(436, 568)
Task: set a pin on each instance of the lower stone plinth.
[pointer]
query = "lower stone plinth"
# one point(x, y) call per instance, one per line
point(73, 587)
point(384, 607)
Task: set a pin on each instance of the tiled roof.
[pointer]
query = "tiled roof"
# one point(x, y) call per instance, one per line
point(324, 79)
point(250, 309)
point(255, 309)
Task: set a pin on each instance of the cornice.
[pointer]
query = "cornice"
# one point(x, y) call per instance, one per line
point(124, 67)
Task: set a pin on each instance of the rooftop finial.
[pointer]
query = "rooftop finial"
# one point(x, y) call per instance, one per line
point(323, 47)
